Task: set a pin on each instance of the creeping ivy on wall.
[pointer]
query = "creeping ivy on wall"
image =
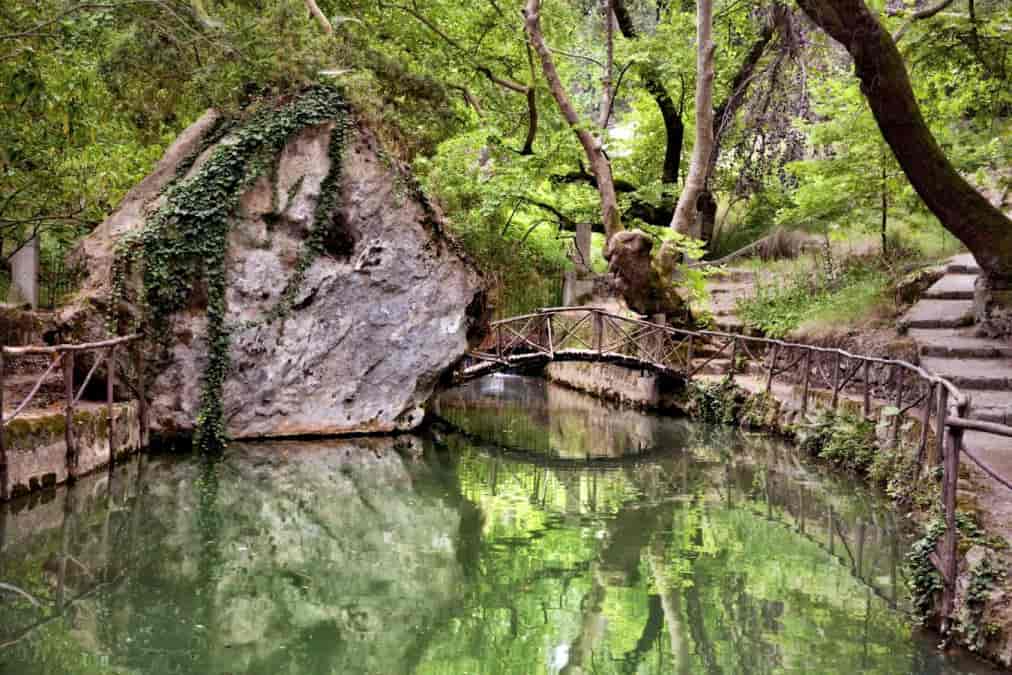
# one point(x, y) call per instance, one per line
point(181, 249)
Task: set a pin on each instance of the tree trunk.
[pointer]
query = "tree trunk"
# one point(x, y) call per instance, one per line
point(684, 220)
point(885, 210)
point(599, 164)
point(884, 81)
point(653, 82)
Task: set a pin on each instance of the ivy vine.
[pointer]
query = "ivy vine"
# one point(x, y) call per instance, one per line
point(181, 248)
point(923, 580)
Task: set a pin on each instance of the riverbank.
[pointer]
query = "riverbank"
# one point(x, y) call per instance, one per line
point(677, 547)
point(982, 612)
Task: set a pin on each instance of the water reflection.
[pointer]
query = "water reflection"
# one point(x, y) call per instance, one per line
point(678, 549)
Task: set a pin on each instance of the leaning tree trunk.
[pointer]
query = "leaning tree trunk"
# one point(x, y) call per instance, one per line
point(684, 220)
point(985, 230)
point(592, 147)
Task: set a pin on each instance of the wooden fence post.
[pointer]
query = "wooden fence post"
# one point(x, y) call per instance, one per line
point(142, 394)
point(836, 380)
point(4, 486)
point(941, 412)
point(953, 444)
point(548, 331)
point(68, 385)
point(898, 422)
point(773, 367)
point(110, 380)
point(807, 382)
point(866, 406)
point(598, 332)
point(734, 357)
point(922, 447)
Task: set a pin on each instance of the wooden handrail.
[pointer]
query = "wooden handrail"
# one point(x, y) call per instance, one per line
point(59, 349)
point(64, 354)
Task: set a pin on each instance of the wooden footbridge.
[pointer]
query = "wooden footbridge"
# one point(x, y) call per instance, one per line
point(596, 335)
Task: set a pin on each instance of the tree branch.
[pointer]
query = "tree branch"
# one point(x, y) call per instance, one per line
point(599, 163)
point(653, 82)
point(919, 15)
point(320, 17)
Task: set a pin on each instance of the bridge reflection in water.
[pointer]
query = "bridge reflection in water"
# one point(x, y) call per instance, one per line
point(538, 531)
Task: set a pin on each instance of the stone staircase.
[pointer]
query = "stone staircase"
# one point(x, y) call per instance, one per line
point(725, 288)
point(941, 324)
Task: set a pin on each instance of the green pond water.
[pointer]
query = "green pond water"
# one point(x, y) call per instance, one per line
point(534, 531)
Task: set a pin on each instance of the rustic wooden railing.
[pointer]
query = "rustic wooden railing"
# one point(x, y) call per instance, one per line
point(592, 334)
point(105, 352)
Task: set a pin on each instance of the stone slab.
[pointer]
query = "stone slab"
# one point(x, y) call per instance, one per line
point(963, 264)
point(939, 314)
point(952, 287)
point(989, 374)
point(954, 342)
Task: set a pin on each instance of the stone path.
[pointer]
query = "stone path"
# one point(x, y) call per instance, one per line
point(725, 288)
point(941, 324)
point(980, 367)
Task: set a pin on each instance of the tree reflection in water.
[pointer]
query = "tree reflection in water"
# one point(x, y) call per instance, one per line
point(546, 533)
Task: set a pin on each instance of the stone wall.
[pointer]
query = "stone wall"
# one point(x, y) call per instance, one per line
point(638, 388)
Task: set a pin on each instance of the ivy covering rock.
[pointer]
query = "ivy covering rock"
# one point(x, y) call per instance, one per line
point(291, 278)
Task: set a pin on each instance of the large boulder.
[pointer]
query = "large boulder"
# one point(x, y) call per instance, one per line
point(368, 324)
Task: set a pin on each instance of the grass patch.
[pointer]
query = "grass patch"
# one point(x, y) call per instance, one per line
point(807, 298)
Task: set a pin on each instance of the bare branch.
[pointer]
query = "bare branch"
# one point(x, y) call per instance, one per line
point(320, 17)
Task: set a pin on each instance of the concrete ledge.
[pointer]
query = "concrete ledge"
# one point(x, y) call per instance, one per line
point(630, 386)
point(37, 447)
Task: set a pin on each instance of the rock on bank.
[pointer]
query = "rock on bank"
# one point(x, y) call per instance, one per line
point(336, 320)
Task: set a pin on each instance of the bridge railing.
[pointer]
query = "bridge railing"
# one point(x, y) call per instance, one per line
point(594, 334)
point(107, 354)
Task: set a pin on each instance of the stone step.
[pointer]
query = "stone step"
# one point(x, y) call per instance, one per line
point(985, 374)
point(939, 314)
point(740, 290)
point(952, 287)
point(963, 264)
point(992, 406)
point(729, 324)
point(955, 343)
point(733, 275)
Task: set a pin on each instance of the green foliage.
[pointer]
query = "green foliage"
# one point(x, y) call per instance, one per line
point(923, 581)
point(812, 295)
point(715, 402)
point(984, 578)
point(181, 248)
point(846, 440)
